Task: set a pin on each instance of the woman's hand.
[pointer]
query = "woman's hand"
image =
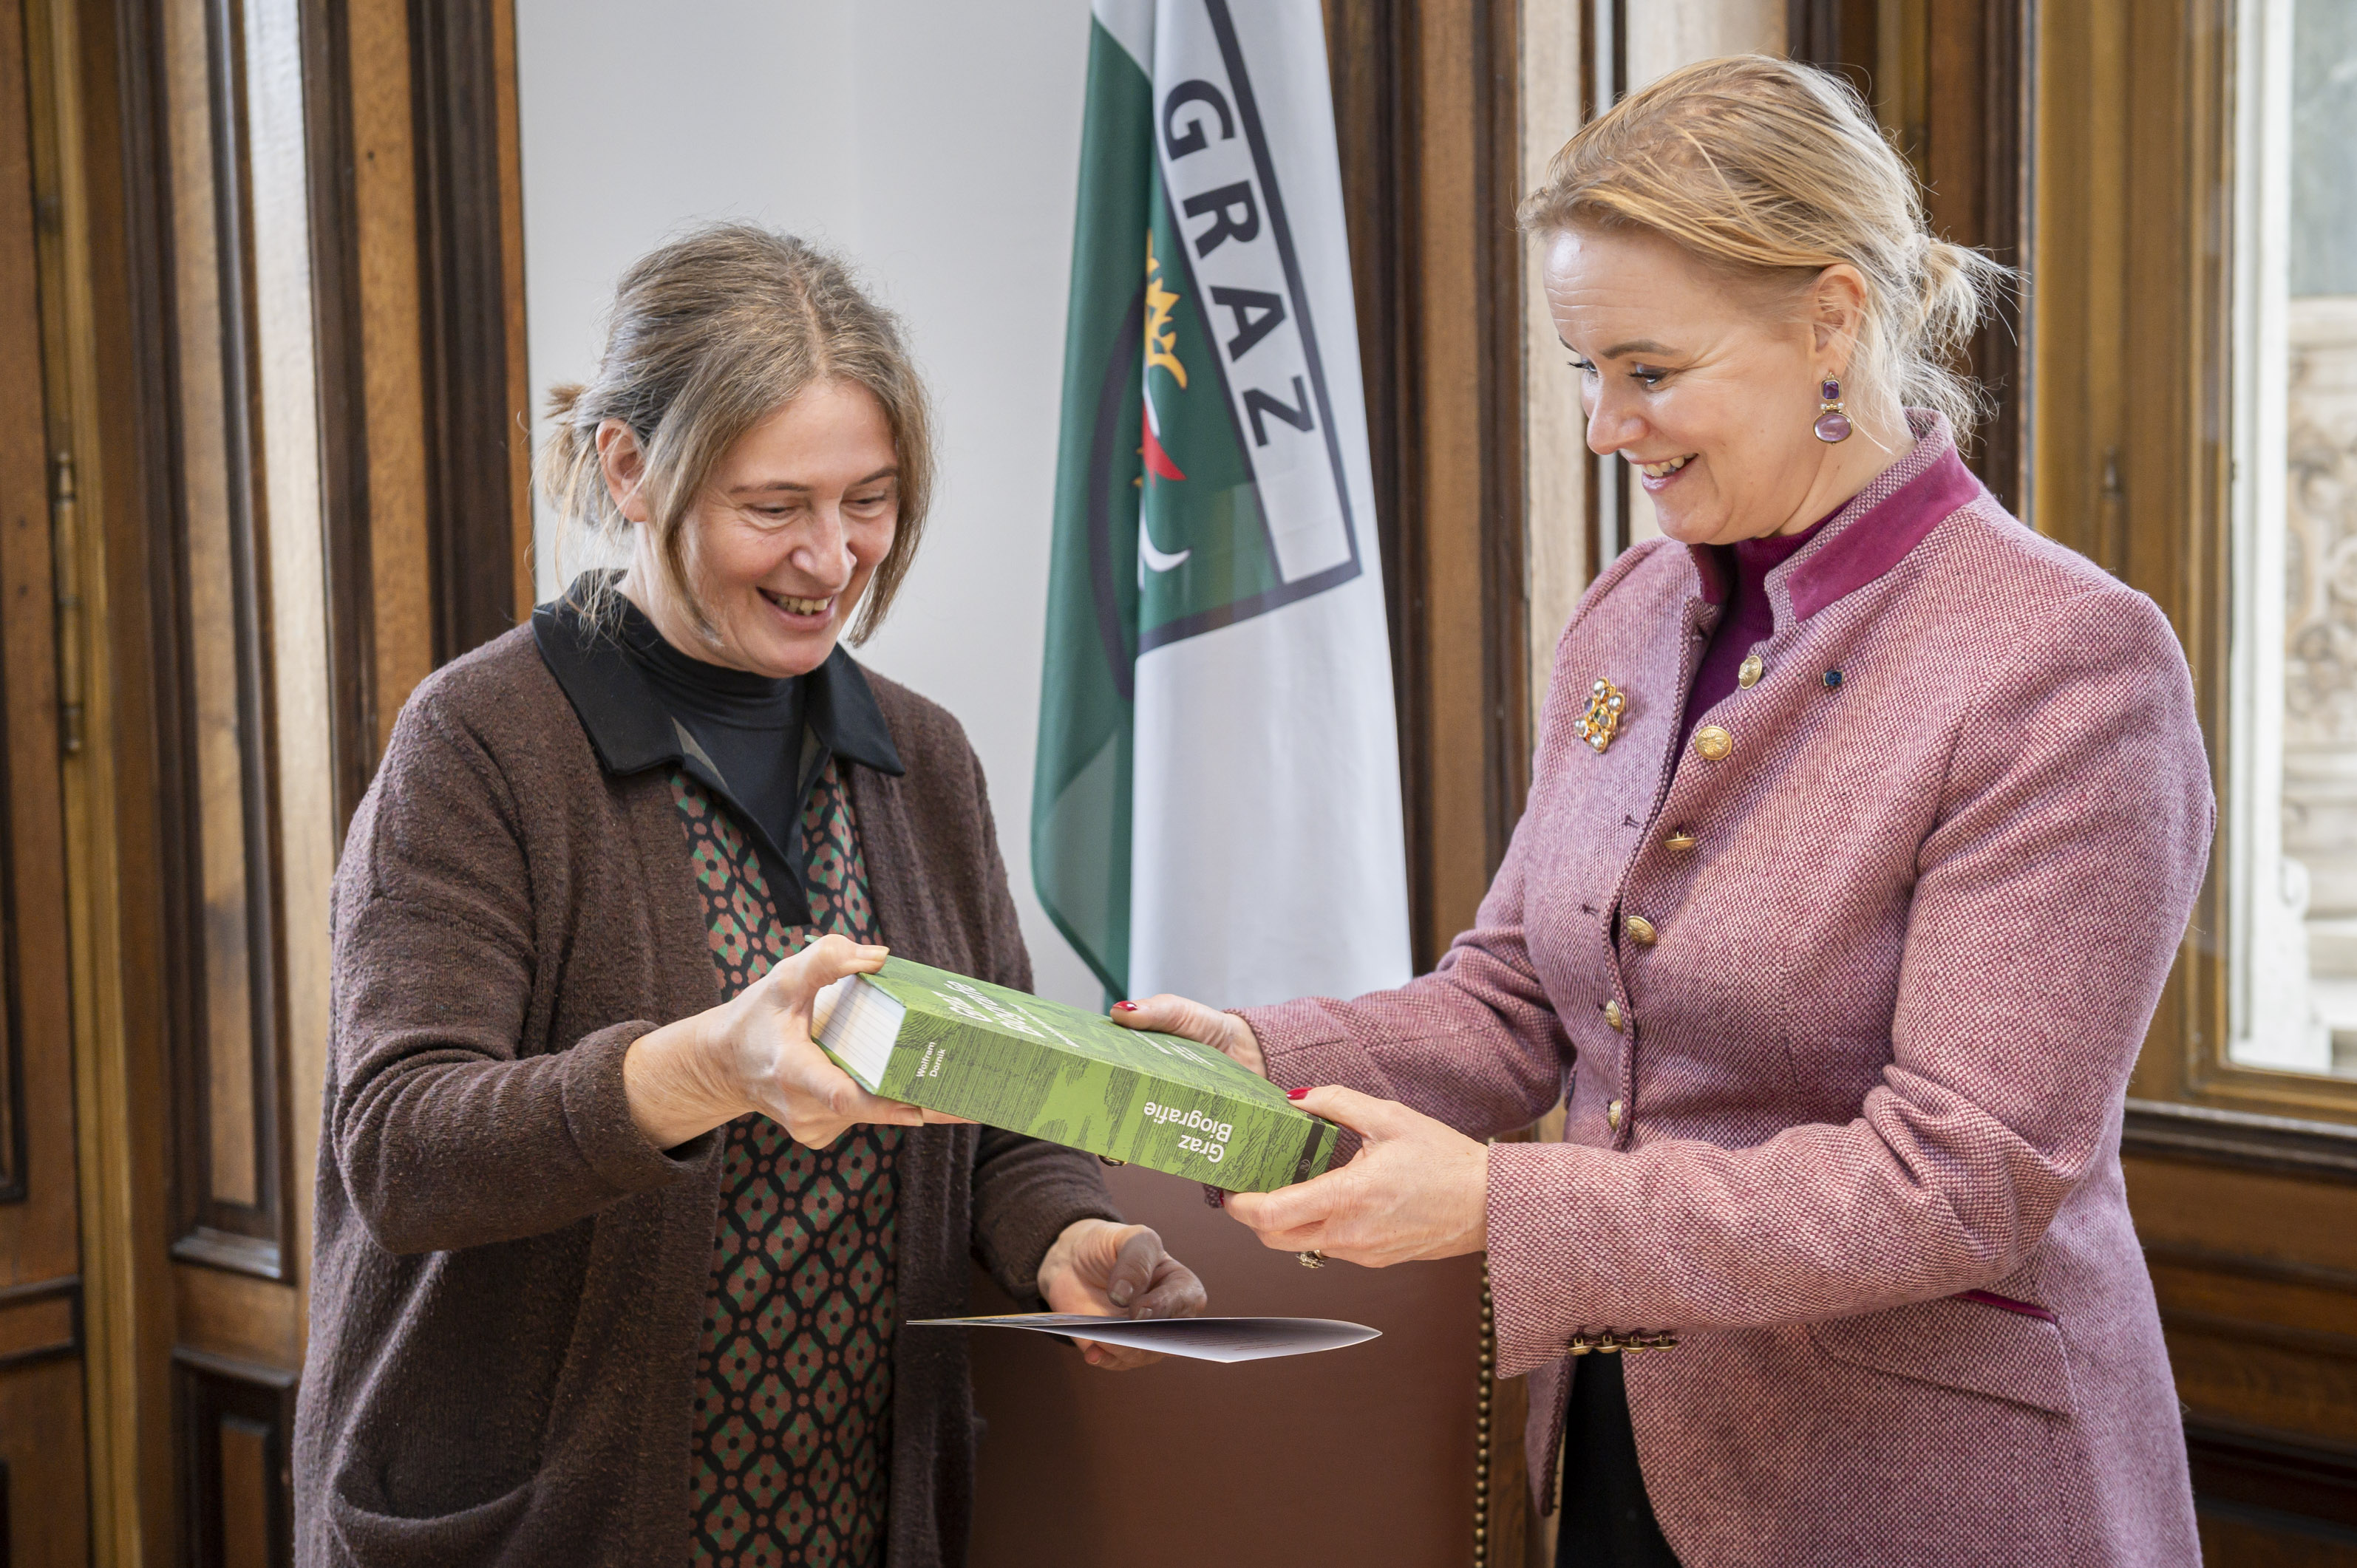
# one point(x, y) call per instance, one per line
point(1117, 1271)
point(1170, 1015)
point(754, 1052)
point(1418, 1189)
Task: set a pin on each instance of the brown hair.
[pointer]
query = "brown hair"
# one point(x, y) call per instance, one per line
point(710, 334)
point(1775, 171)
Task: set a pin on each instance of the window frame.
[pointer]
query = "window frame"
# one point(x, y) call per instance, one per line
point(2136, 421)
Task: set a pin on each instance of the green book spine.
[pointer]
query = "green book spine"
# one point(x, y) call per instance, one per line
point(997, 1056)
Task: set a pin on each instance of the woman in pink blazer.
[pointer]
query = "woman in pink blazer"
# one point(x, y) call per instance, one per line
point(1864, 825)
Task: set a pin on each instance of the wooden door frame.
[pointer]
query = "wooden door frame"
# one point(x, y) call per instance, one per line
point(373, 176)
point(471, 318)
point(44, 1351)
point(1967, 128)
point(1427, 106)
point(76, 89)
point(1427, 112)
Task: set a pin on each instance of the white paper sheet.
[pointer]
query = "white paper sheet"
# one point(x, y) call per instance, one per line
point(1201, 1338)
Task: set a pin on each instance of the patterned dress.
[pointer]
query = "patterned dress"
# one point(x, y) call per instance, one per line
point(791, 1453)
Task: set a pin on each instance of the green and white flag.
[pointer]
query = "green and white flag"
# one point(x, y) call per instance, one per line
point(1216, 808)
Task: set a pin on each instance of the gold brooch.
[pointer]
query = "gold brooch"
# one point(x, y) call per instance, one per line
point(1602, 721)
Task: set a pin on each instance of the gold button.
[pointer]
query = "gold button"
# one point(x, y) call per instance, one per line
point(1612, 1015)
point(1680, 842)
point(1748, 672)
point(1713, 743)
point(1641, 930)
point(1613, 1116)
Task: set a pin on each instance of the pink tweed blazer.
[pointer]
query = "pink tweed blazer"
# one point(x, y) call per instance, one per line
point(1909, 932)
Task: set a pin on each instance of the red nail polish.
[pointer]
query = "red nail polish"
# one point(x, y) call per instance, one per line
point(1125, 1006)
point(1295, 1093)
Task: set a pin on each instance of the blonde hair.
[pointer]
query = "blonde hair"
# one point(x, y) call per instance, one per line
point(1775, 171)
point(710, 334)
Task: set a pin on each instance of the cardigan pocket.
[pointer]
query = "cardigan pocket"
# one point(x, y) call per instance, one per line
point(370, 1536)
point(1958, 1344)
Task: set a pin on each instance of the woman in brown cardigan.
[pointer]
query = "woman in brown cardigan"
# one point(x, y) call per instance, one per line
point(611, 1261)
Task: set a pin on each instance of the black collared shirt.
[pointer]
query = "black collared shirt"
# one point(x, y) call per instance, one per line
point(756, 744)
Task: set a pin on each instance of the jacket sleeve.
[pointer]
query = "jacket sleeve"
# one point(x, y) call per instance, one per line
point(1026, 1192)
point(1474, 1044)
point(2051, 898)
point(444, 1134)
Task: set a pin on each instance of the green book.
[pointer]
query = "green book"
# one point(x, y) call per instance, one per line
point(989, 1054)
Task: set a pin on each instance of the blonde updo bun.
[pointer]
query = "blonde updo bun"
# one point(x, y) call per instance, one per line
point(1776, 171)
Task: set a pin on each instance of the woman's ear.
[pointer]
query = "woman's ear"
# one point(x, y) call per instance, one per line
point(1836, 315)
point(625, 467)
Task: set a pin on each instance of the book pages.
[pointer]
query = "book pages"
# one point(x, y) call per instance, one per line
point(863, 1036)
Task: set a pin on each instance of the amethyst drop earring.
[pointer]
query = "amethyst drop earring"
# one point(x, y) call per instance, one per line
point(1832, 424)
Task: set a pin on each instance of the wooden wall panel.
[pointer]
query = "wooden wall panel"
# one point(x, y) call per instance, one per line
point(322, 53)
point(1427, 111)
point(2081, 487)
point(36, 1180)
point(211, 596)
point(1370, 51)
point(516, 424)
point(44, 1515)
point(304, 545)
point(43, 1522)
point(237, 1423)
point(100, 247)
point(302, 338)
point(393, 386)
point(2258, 1279)
point(1429, 118)
point(2255, 1271)
point(1950, 80)
point(461, 74)
point(244, 673)
point(40, 1320)
point(256, 576)
point(233, 226)
point(1450, 576)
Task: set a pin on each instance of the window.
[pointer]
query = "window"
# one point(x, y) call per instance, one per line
point(2291, 793)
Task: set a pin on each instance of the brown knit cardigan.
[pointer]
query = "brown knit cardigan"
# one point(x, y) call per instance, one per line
point(509, 1279)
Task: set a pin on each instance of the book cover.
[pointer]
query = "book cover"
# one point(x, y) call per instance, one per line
point(998, 1055)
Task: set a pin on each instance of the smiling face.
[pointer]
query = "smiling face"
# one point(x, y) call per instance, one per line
point(784, 538)
point(1709, 386)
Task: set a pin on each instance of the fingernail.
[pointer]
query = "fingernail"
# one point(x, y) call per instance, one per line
point(1125, 1006)
point(1120, 1293)
point(1295, 1093)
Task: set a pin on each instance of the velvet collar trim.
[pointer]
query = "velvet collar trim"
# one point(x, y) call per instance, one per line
point(1869, 535)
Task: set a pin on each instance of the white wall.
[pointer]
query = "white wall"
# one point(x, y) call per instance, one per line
point(938, 144)
point(1664, 37)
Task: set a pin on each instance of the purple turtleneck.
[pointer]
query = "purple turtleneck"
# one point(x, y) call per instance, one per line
point(1744, 566)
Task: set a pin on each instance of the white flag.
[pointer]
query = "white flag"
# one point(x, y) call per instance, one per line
point(1217, 805)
